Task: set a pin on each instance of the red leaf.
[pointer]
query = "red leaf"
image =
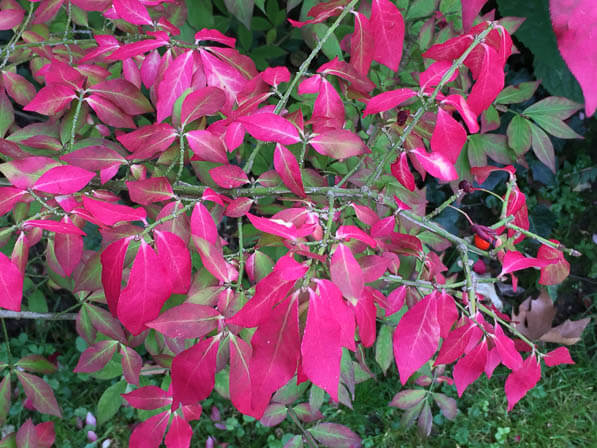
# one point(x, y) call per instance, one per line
point(460, 104)
point(402, 173)
point(51, 99)
point(348, 73)
point(560, 355)
point(470, 10)
point(395, 300)
point(123, 94)
point(94, 157)
point(68, 249)
point(177, 78)
point(223, 76)
point(201, 102)
point(63, 180)
point(10, 18)
point(362, 45)
point(109, 214)
point(506, 349)
point(54, 226)
point(343, 313)
point(215, 36)
point(272, 226)
point(288, 168)
point(148, 398)
point(9, 196)
point(433, 75)
point(436, 164)
point(109, 113)
point(240, 379)
point(387, 100)
point(176, 258)
point(339, 144)
point(447, 313)
point(179, 434)
point(187, 321)
point(328, 109)
point(515, 261)
point(239, 207)
point(44, 432)
point(490, 80)
point(136, 48)
point(207, 146)
point(522, 380)
point(388, 33)
point(112, 259)
point(146, 191)
point(276, 348)
point(229, 176)
point(203, 225)
point(364, 312)
point(131, 364)
point(94, 358)
point(269, 127)
point(19, 89)
point(149, 433)
point(320, 348)
point(448, 136)
point(346, 273)
point(353, 232)
point(275, 75)
point(148, 288)
point(11, 284)
point(40, 394)
point(558, 269)
point(470, 367)
point(213, 260)
point(193, 371)
point(132, 11)
point(416, 337)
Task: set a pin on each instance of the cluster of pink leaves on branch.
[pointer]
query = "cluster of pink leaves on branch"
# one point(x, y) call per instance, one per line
point(308, 308)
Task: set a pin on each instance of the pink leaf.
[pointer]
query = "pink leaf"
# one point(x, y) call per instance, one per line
point(276, 348)
point(275, 75)
point(339, 144)
point(402, 173)
point(515, 261)
point(269, 127)
point(395, 300)
point(54, 226)
point(447, 313)
point(433, 75)
point(124, 95)
point(109, 214)
point(229, 176)
point(9, 196)
point(148, 288)
point(19, 89)
point(353, 232)
point(193, 371)
point(490, 80)
point(470, 10)
point(112, 260)
point(362, 45)
point(364, 312)
point(348, 73)
point(448, 136)
point(213, 260)
point(68, 249)
point(470, 367)
point(571, 23)
point(136, 48)
point(179, 434)
point(40, 394)
point(132, 11)
point(387, 100)
point(176, 80)
point(436, 164)
point(95, 357)
point(343, 313)
point(201, 102)
point(277, 227)
point(93, 158)
point(346, 273)
point(416, 337)
point(203, 225)
point(51, 99)
point(177, 260)
point(187, 321)
point(328, 109)
point(148, 398)
point(131, 364)
point(558, 269)
point(109, 113)
point(11, 284)
point(207, 146)
point(288, 168)
point(506, 349)
point(239, 207)
point(388, 33)
point(457, 342)
point(460, 104)
point(146, 191)
point(63, 180)
point(560, 355)
point(522, 380)
point(10, 18)
point(149, 433)
point(223, 76)
point(215, 36)
point(145, 142)
point(240, 379)
point(320, 348)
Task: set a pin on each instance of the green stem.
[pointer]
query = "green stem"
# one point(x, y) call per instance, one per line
point(308, 436)
point(507, 325)
point(455, 197)
point(7, 340)
point(73, 129)
point(509, 188)
point(241, 258)
point(470, 287)
point(572, 252)
point(174, 214)
point(16, 36)
point(180, 156)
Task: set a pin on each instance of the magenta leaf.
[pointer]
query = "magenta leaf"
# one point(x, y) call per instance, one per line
point(149, 434)
point(132, 11)
point(361, 44)
point(203, 225)
point(123, 94)
point(457, 341)
point(146, 191)
point(402, 173)
point(11, 284)
point(436, 164)
point(269, 127)
point(148, 398)
point(201, 102)
point(93, 157)
point(416, 337)
point(40, 394)
point(288, 168)
point(515, 261)
point(109, 113)
point(68, 249)
point(51, 99)
point(387, 100)
point(277, 227)
point(149, 286)
point(187, 320)
point(339, 144)
point(560, 355)
point(558, 269)
point(179, 434)
point(490, 80)
point(240, 375)
point(109, 214)
point(520, 381)
point(207, 146)
point(112, 260)
point(94, 358)
point(63, 180)
point(353, 232)
point(470, 367)
point(447, 313)
point(506, 349)
point(149, 140)
point(131, 364)
point(388, 33)
point(54, 226)
point(176, 259)
point(448, 136)
point(10, 18)
point(346, 273)
point(193, 371)
point(213, 260)
point(177, 78)
point(229, 176)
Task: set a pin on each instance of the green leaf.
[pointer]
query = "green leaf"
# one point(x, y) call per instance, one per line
point(555, 126)
point(383, 348)
point(109, 402)
point(7, 116)
point(555, 106)
point(519, 135)
point(4, 398)
point(200, 14)
point(518, 93)
point(242, 10)
point(331, 47)
point(36, 364)
point(476, 150)
point(316, 396)
point(420, 8)
point(335, 435)
point(290, 392)
point(542, 147)
point(40, 394)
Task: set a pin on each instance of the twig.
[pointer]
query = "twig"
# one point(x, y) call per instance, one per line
point(31, 315)
point(308, 436)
